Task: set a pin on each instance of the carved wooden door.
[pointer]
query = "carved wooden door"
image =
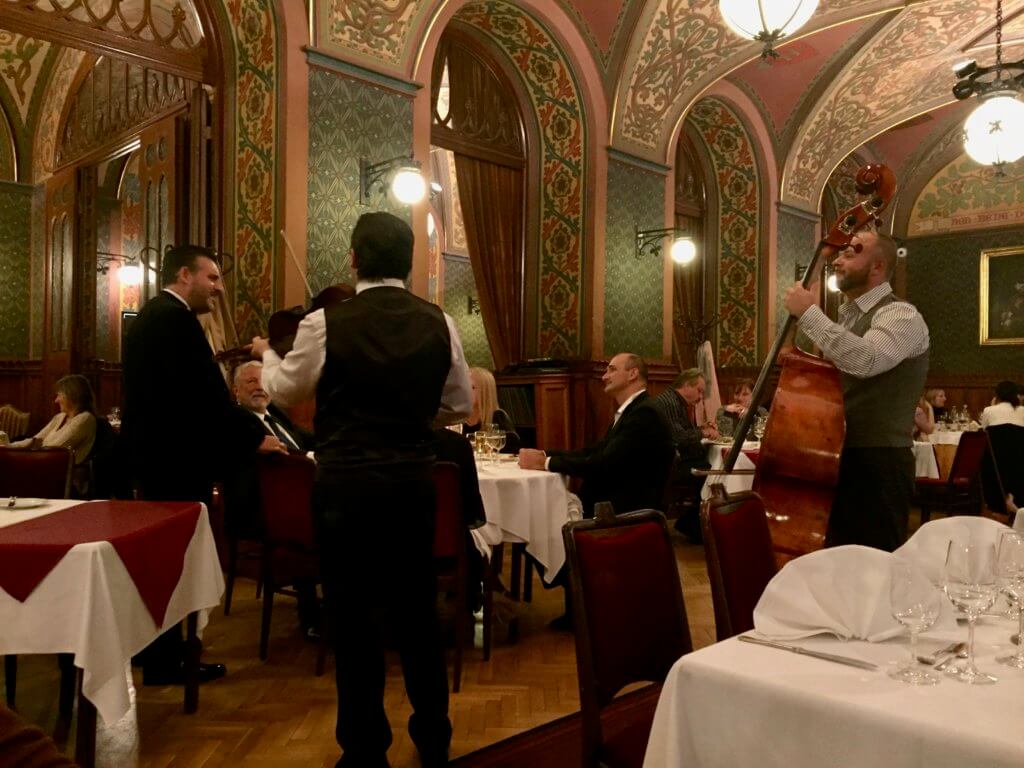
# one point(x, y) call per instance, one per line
point(59, 279)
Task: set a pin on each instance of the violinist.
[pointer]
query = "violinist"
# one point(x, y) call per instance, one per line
point(880, 346)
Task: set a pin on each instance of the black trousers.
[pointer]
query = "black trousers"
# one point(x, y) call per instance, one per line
point(377, 533)
point(872, 501)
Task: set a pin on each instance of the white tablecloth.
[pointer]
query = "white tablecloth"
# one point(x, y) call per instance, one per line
point(88, 605)
point(945, 437)
point(924, 460)
point(734, 704)
point(524, 505)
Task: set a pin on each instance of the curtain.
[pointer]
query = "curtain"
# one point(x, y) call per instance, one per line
point(492, 211)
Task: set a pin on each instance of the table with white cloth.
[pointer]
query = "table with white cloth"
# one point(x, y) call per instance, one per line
point(525, 506)
point(924, 463)
point(735, 704)
point(120, 574)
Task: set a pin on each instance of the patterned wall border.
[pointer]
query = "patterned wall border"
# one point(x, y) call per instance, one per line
point(964, 195)
point(558, 103)
point(739, 225)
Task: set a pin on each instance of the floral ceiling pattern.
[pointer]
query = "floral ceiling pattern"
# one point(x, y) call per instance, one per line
point(965, 195)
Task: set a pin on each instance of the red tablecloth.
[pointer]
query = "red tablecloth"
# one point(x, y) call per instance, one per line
point(150, 539)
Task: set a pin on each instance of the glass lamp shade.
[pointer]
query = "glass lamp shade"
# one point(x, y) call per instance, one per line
point(683, 250)
point(994, 132)
point(408, 186)
point(832, 283)
point(130, 274)
point(750, 18)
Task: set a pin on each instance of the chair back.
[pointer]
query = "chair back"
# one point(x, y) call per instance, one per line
point(286, 499)
point(41, 472)
point(1007, 442)
point(740, 558)
point(630, 618)
point(13, 421)
point(449, 529)
point(968, 458)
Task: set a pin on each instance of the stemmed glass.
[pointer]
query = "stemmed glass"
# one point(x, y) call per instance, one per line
point(914, 602)
point(971, 587)
point(496, 441)
point(1010, 572)
point(760, 422)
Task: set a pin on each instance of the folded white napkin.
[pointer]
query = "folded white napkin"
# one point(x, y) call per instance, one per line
point(843, 591)
point(927, 547)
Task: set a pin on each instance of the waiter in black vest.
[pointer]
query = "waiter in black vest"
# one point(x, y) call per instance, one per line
point(880, 346)
point(384, 366)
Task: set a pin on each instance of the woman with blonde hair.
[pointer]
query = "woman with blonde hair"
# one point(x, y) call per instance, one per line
point(937, 399)
point(486, 413)
point(924, 420)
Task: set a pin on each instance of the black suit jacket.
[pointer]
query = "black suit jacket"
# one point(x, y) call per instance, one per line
point(179, 425)
point(629, 467)
point(305, 438)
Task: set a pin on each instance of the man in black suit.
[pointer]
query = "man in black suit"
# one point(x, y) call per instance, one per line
point(630, 465)
point(167, 362)
point(250, 394)
point(385, 366)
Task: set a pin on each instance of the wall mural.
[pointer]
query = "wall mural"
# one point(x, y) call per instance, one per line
point(902, 72)
point(965, 195)
point(558, 105)
point(25, 66)
point(739, 225)
point(374, 29)
point(842, 183)
point(633, 296)
point(56, 93)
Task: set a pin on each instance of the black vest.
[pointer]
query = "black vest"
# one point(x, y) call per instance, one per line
point(388, 356)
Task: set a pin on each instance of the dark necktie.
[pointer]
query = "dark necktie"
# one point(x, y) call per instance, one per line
point(282, 435)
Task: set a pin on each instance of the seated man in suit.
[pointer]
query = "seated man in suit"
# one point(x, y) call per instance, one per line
point(677, 407)
point(251, 395)
point(629, 466)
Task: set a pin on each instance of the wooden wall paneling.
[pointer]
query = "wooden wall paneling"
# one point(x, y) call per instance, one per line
point(551, 403)
point(973, 390)
point(21, 385)
point(59, 285)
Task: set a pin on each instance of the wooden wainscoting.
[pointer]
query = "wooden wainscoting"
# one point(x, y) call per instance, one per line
point(973, 390)
point(105, 377)
point(21, 385)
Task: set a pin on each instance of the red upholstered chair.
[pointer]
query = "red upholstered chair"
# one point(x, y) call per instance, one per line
point(289, 547)
point(960, 493)
point(630, 622)
point(41, 472)
point(740, 558)
point(450, 554)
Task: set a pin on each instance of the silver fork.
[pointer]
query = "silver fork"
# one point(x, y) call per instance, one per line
point(949, 650)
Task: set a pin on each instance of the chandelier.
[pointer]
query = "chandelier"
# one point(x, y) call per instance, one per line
point(994, 132)
point(766, 21)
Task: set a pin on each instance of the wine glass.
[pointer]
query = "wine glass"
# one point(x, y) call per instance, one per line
point(495, 442)
point(914, 602)
point(760, 422)
point(971, 587)
point(1010, 573)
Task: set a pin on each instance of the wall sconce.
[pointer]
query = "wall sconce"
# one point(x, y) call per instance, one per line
point(130, 271)
point(648, 243)
point(402, 175)
point(472, 305)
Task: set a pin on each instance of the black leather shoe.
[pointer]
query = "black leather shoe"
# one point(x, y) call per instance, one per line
point(176, 675)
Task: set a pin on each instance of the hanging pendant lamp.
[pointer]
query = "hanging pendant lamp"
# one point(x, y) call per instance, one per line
point(766, 21)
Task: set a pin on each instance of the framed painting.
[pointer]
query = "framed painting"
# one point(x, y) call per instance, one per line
point(1002, 296)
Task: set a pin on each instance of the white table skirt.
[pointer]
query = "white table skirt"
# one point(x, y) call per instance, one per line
point(945, 437)
point(524, 505)
point(734, 704)
point(88, 605)
point(924, 460)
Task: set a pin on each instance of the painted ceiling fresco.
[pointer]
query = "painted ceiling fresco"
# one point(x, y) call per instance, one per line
point(21, 60)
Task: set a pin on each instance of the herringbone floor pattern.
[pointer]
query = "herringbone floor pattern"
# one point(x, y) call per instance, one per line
point(279, 714)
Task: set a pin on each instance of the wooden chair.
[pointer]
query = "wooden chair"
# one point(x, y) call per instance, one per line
point(450, 554)
point(630, 622)
point(41, 473)
point(960, 493)
point(289, 546)
point(740, 557)
point(13, 421)
point(1007, 441)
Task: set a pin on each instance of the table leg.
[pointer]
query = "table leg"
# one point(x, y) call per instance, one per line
point(191, 660)
point(85, 732)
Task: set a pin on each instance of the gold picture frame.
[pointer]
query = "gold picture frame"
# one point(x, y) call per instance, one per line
point(1001, 305)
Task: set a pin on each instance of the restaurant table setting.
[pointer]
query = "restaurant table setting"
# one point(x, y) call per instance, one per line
point(828, 680)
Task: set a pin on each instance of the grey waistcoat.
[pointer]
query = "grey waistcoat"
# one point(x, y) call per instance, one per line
point(880, 409)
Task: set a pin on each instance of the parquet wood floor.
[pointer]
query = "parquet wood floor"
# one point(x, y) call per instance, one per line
point(278, 714)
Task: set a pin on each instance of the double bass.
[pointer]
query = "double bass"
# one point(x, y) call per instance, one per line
point(798, 465)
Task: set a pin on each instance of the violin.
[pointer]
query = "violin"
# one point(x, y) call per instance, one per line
point(798, 465)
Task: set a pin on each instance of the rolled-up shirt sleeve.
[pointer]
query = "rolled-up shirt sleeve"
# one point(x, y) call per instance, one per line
point(293, 379)
point(457, 395)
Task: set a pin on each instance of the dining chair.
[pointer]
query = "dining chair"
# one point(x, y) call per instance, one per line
point(450, 553)
point(1007, 441)
point(40, 472)
point(13, 421)
point(629, 620)
point(960, 493)
point(740, 557)
point(290, 552)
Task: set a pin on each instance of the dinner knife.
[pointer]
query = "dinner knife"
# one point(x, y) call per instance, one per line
point(805, 652)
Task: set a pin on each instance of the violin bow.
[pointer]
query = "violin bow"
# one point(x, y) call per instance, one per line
point(295, 261)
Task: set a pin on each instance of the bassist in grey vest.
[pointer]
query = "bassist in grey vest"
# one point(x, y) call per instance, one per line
point(880, 346)
point(383, 365)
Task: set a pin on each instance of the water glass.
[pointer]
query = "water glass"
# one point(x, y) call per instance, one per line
point(971, 586)
point(914, 602)
point(1010, 573)
point(760, 423)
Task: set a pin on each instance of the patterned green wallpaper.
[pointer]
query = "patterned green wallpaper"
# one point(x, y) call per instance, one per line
point(348, 120)
point(15, 260)
point(795, 246)
point(632, 289)
point(38, 256)
point(458, 284)
point(942, 280)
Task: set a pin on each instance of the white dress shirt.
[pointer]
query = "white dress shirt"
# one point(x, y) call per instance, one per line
point(294, 379)
point(897, 332)
point(1002, 413)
